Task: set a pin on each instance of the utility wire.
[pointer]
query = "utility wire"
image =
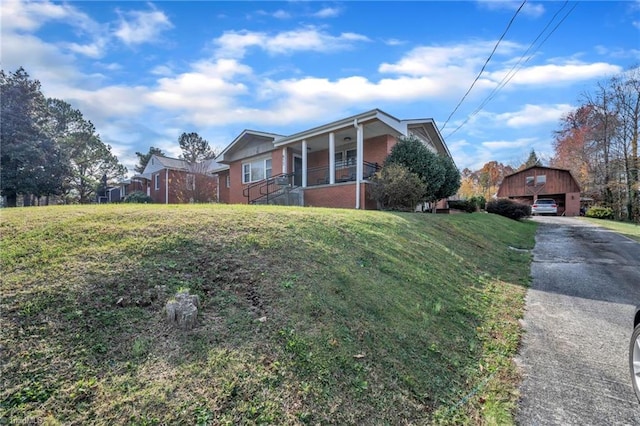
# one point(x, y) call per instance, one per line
point(507, 78)
point(485, 64)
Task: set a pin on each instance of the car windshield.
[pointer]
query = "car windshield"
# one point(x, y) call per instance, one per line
point(545, 202)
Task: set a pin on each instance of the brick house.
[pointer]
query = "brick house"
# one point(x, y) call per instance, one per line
point(543, 182)
point(171, 181)
point(325, 166)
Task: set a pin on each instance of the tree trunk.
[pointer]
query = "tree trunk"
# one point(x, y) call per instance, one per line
point(12, 200)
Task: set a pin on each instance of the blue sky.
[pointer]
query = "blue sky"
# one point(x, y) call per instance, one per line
point(144, 72)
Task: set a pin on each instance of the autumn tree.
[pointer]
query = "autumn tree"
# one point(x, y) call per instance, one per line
point(598, 142)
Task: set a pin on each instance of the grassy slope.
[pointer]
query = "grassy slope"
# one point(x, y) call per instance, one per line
point(371, 317)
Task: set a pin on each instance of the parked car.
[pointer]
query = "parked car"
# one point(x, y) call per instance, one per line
point(634, 353)
point(544, 206)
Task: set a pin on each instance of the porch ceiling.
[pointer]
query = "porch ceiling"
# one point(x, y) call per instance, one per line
point(347, 135)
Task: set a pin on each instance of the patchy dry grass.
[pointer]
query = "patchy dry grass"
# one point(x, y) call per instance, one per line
point(371, 317)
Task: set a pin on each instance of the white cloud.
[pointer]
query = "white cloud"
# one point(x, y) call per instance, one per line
point(550, 74)
point(510, 144)
point(327, 12)
point(138, 27)
point(449, 60)
point(234, 44)
point(394, 42)
point(534, 10)
point(532, 115)
point(281, 14)
point(29, 16)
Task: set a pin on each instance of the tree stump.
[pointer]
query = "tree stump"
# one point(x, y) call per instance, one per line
point(183, 310)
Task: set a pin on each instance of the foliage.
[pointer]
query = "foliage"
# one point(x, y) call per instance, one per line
point(451, 182)
point(196, 185)
point(143, 159)
point(90, 159)
point(599, 212)
point(411, 153)
point(509, 208)
point(532, 160)
point(478, 201)
point(307, 315)
point(194, 148)
point(598, 142)
point(396, 188)
point(48, 148)
point(464, 205)
point(138, 197)
point(484, 182)
point(31, 161)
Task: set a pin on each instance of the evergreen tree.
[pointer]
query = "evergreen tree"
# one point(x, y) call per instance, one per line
point(143, 159)
point(194, 148)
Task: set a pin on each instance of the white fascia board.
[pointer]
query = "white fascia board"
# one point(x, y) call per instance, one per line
point(330, 127)
point(153, 166)
point(238, 138)
point(429, 122)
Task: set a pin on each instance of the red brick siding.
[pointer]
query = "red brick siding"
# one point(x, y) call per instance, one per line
point(222, 184)
point(341, 196)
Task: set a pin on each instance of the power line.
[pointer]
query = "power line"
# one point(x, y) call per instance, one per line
point(485, 64)
point(507, 78)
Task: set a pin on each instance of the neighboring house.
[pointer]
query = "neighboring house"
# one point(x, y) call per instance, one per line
point(326, 166)
point(543, 182)
point(171, 180)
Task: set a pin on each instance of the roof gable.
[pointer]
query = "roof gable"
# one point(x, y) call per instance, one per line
point(248, 143)
point(158, 162)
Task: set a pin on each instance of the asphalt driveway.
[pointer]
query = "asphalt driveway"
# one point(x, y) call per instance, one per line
point(578, 319)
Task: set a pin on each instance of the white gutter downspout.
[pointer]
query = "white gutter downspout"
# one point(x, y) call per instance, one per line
point(359, 158)
point(166, 186)
point(218, 187)
point(332, 158)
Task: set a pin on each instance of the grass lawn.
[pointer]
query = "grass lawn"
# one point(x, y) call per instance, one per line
point(629, 229)
point(307, 316)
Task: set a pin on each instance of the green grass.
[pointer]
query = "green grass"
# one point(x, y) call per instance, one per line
point(629, 229)
point(371, 317)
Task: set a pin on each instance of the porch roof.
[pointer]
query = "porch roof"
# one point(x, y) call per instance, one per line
point(347, 125)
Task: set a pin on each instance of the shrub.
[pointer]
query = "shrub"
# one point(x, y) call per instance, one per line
point(464, 205)
point(479, 201)
point(396, 188)
point(600, 212)
point(509, 208)
point(138, 197)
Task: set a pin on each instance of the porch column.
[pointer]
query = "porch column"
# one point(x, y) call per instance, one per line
point(359, 160)
point(304, 163)
point(166, 186)
point(332, 158)
point(284, 160)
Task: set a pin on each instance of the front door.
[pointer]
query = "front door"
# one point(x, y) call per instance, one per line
point(297, 171)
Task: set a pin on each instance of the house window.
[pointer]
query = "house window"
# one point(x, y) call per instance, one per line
point(191, 182)
point(157, 181)
point(228, 181)
point(529, 180)
point(346, 158)
point(352, 154)
point(256, 170)
point(541, 179)
point(267, 168)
